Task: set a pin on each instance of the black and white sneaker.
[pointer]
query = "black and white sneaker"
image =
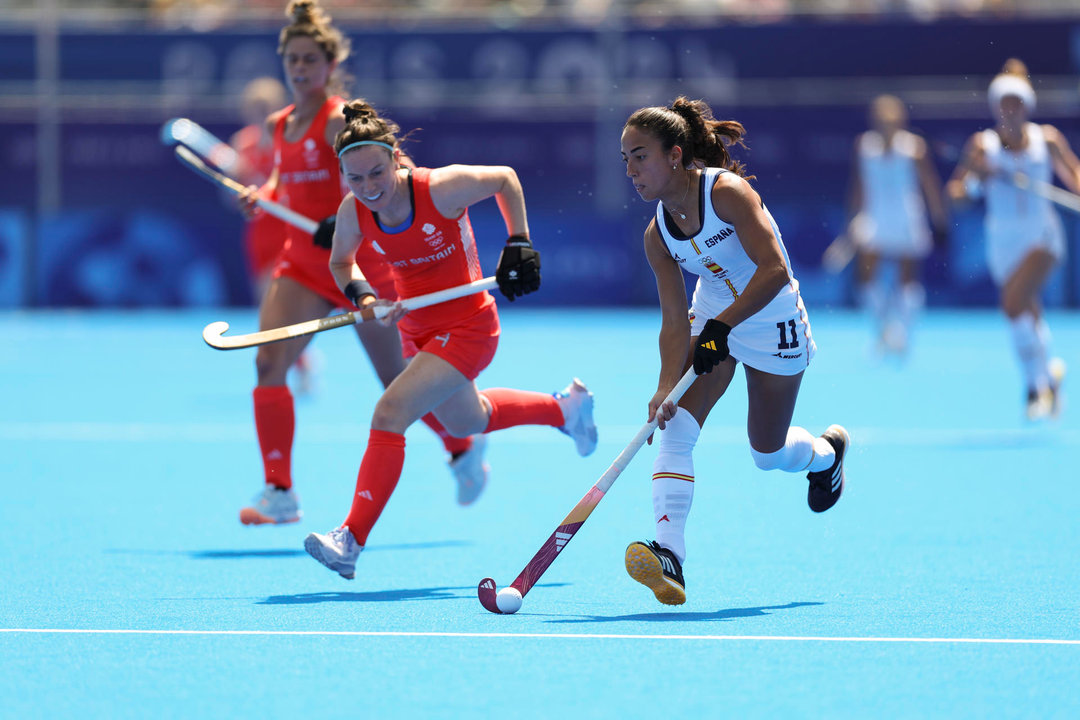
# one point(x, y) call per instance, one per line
point(827, 485)
point(658, 569)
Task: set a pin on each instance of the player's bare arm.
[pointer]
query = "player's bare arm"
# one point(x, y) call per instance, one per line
point(738, 204)
point(347, 239)
point(1066, 164)
point(675, 326)
point(456, 187)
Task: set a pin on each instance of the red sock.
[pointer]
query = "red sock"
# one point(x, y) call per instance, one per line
point(274, 424)
point(453, 445)
point(521, 407)
point(379, 473)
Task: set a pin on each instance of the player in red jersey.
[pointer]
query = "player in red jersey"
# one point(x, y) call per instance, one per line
point(418, 220)
point(264, 235)
point(307, 179)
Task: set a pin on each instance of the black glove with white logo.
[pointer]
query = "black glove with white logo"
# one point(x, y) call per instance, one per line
point(324, 234)
point(357, 290)
point(519, 268)
point(711, 348)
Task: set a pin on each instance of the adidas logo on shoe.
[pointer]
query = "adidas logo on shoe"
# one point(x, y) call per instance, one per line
point(826, 486)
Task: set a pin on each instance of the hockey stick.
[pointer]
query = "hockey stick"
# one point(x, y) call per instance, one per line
point(577, 517)
point(214, 332)
point(1056, 195)
point(182, 130)
point(838, 255)
point(278, 210)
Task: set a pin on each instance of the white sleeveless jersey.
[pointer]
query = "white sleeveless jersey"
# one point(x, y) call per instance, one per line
point(777, 338)
point(715, 253)
point(893, 216)
point(1018, 221)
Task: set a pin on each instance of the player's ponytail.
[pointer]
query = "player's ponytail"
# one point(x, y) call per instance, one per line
point(690, 125)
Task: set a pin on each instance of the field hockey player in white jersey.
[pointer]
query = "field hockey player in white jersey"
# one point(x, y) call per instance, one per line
point(1024, 235)
point(894, 187)
point(746, 308)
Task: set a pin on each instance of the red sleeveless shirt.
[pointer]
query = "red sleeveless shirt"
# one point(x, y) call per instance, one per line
point(433, 253)
point(309, 182)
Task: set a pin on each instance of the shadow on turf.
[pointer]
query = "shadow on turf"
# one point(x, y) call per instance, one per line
point(728, 614)
point(279, 553)
point(437, 593)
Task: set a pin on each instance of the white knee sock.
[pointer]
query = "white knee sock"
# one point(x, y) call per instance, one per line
point(1030, 341)
point(912, 299)
point(801, 453)
point(875, 298)
point(673, 481)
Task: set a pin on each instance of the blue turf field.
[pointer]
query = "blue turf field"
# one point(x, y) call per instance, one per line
point(944, 584)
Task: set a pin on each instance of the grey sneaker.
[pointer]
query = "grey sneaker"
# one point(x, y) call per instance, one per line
point(336, 550)
point(470, 471)
point(272, 506)
point(576, 403)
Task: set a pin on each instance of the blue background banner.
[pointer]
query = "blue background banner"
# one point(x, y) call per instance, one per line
point(135, 228)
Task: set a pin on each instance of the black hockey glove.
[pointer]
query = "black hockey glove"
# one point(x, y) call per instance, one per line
point(324, 234)
point(711, 348)
point(519, 268)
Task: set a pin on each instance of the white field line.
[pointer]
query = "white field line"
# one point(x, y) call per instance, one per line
point(553, 636)
point(616, 434)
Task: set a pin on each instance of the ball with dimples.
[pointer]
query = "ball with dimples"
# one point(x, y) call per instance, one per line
point(508, 600)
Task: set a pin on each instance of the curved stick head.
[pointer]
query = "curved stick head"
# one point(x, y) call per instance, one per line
point(212, 333)
point(486, 593)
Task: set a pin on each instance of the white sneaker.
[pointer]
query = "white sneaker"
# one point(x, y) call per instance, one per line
point(1057, 377)
point(336, 550)
point(470, 471)
point(576, 403)
point(306, 370)
point(272, 506)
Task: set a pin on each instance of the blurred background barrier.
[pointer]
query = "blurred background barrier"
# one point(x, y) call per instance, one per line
point(95, 211)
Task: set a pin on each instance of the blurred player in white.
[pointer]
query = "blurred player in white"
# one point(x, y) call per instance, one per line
point(1024, 235)
point(893, 184)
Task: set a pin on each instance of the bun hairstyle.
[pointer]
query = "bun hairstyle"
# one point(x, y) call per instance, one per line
point(364, 124)
point(1013, 80)
point(1015, 66)
point(310, 20)
point(690, 125)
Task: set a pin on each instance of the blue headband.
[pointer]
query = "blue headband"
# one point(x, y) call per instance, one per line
point(364, 142)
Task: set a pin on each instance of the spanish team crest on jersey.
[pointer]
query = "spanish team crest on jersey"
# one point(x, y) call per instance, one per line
point(708, 262)
point(311, 152)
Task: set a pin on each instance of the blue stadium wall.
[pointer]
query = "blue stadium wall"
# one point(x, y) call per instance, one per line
point(136, 229)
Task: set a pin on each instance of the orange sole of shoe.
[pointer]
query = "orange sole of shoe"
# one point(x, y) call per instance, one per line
point(251, 516)
point(643, 566)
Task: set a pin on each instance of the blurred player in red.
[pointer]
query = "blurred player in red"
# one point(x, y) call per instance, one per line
point(264, 236)
point(417, 218)
point(306, 178)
